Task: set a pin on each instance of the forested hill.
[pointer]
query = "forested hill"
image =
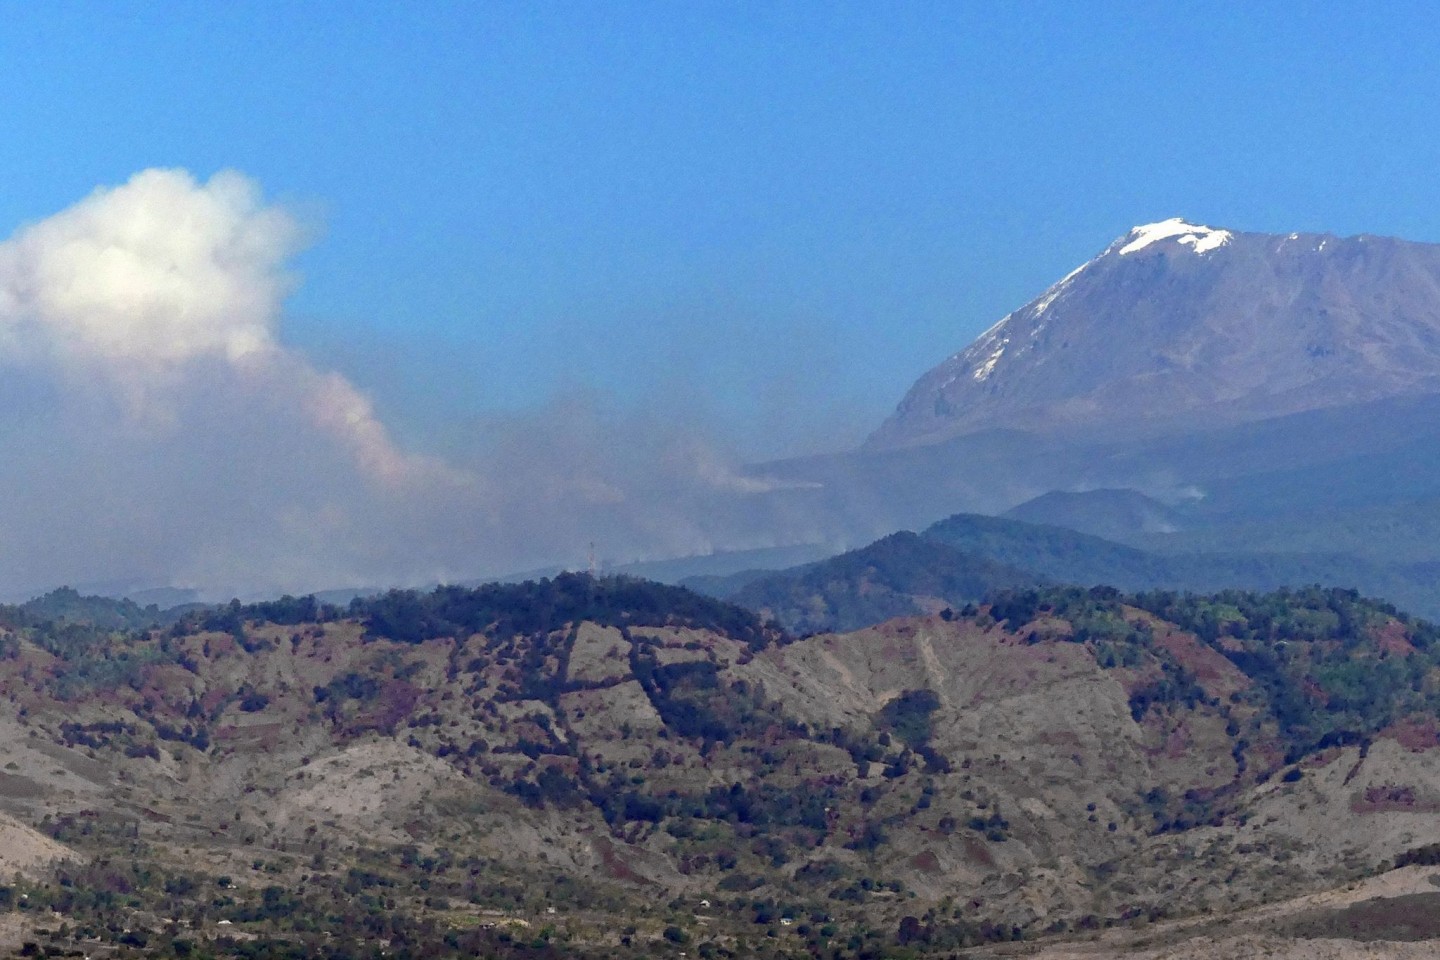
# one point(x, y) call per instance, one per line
point(963, 558)
point(900, 575)
point(68, 605)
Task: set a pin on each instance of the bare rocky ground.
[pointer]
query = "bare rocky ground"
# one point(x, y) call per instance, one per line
point(26, 851)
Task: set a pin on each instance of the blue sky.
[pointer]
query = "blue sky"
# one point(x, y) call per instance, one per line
point(770, 217)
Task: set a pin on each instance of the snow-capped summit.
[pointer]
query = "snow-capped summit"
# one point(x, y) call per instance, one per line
point(1176, 320)
point(1198, 238)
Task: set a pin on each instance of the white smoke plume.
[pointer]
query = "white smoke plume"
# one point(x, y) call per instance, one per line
point(157, 431)
point(136, 286)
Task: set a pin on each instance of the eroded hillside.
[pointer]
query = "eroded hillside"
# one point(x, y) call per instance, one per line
point(615, 767)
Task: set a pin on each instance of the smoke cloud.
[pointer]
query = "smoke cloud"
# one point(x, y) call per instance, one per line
point(135, 288)
point(158, 432)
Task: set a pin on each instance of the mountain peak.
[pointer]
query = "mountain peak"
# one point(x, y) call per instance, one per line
point(1159, 330)
point(1199, 238)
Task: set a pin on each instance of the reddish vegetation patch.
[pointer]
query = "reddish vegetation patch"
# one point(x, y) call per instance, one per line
point(267, 734)
point(396, 701)
point(1391, 638)
point(1178, 743)
point(1418, 733)
point(1173, 743)
point(977, 852)
point(615, 866)
point(926, 862)
point(897, 638)
point(1215, 674)
point(1322, 759)
point(1391, 797)
point(218, 645)
point(568, 765)
point(155, 816)
point(213, 698)
point(1266, 755)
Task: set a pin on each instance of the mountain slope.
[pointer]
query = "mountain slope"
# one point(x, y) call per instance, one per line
point(1178, 323)
point(1054, 553)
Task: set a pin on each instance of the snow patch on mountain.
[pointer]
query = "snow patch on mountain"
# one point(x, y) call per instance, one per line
point(1201, 239)
point(1215, 238)
point(989, 333)
point(987, 367)
point(980, 357)
point(1044, 302)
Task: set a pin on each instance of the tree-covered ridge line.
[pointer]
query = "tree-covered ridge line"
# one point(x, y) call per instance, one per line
point(413, 615)
point(505, 609)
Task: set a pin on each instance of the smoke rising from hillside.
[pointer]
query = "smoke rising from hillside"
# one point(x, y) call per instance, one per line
point(157, 430)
